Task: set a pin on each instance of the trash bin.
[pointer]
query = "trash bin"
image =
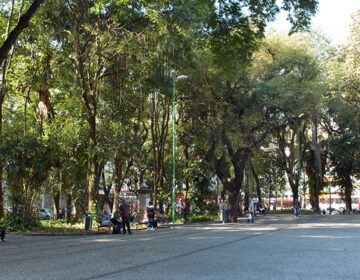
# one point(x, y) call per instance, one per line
point(88, 221)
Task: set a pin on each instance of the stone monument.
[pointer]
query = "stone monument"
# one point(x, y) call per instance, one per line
point(142, 202)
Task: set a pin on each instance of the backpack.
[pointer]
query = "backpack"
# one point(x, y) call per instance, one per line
point(117, 229)
point(150, 211)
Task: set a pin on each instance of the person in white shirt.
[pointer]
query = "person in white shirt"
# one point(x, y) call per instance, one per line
point(251, 211)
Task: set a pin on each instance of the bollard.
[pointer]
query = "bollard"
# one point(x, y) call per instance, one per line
point(88, 221)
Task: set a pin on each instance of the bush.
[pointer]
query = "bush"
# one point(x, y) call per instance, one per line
point(201, 218)
point(211, 209)
point(17, 222)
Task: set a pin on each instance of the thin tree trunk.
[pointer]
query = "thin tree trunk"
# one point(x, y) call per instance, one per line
point(14, 34)
point(317, 157)
point(92, 162)
point(118, 182)
point(1, 169)
point(56, 203)
point(348, 192)
point(68, 208)
point(186, 202)
point(255, 175)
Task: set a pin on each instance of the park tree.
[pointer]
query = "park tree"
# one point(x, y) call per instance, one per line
point(28, 162)
point(223, 92)
point(7, 49)
point(288, 73)
point(95, 65)
point(341, 120)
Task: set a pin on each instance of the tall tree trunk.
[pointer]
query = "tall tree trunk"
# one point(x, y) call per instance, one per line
point(1, 169)
point(56, 203)
point(118, 181)
point(317, 154)
point(231, 185)
point(187, 184)
point(256, 177)
point(348, 191)
point(92, 163)
point(234, 204)
point(120, 176)
point(68, 208)
point(159, 133)
point(294, 159)
point(246, 191)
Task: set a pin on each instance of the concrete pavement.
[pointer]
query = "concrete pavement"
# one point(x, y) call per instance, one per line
point(275, 247)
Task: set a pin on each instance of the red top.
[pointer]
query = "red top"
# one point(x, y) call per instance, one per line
point(124, 210)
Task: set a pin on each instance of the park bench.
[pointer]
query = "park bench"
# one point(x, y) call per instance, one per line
point(101, 226)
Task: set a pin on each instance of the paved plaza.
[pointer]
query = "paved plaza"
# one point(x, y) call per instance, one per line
point(275, 247)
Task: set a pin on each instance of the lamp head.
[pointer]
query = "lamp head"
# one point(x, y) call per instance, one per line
point(181, 77)
point(173, 74)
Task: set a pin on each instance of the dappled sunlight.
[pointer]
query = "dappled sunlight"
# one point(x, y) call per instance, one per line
point(326, 225)
point(145, 239)
point(204, 237)
point(327, 237)
point(243, 228)
point(107, 240)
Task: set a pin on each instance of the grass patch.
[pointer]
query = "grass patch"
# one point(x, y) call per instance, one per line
point(61, 227)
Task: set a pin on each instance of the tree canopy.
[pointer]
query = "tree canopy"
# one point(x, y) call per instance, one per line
point(86, 99)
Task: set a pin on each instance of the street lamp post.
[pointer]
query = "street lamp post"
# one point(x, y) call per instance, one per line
point(175, 78)
point(328, 161)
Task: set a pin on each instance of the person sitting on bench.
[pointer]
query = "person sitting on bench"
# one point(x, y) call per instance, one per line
point(115, 222)
point(2, 233)
point(104, 219)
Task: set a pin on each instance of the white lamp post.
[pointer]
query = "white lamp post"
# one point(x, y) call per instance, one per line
point(181, 77)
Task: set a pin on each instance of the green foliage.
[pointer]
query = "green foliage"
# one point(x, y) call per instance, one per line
point(30, 159)
point(99, 62)
point(202, 218)
point(211, 209)
point(20, 223)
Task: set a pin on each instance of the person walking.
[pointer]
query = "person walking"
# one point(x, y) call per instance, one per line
point(2, 233)
point(251, 211)
point(125, 216)
point(150, 211)
point(297, 208)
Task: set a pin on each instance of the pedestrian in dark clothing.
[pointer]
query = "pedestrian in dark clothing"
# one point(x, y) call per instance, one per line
point(2, 233)
point(115, 221)
point(150, 211)
point(297, 208)
point(125, 216)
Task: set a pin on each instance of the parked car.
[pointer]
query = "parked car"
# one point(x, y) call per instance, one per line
point(333, 211)
point(45, 214)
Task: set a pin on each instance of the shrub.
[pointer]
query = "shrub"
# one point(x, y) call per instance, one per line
point(17, 222)
point(211, 209)
point(201, 218)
